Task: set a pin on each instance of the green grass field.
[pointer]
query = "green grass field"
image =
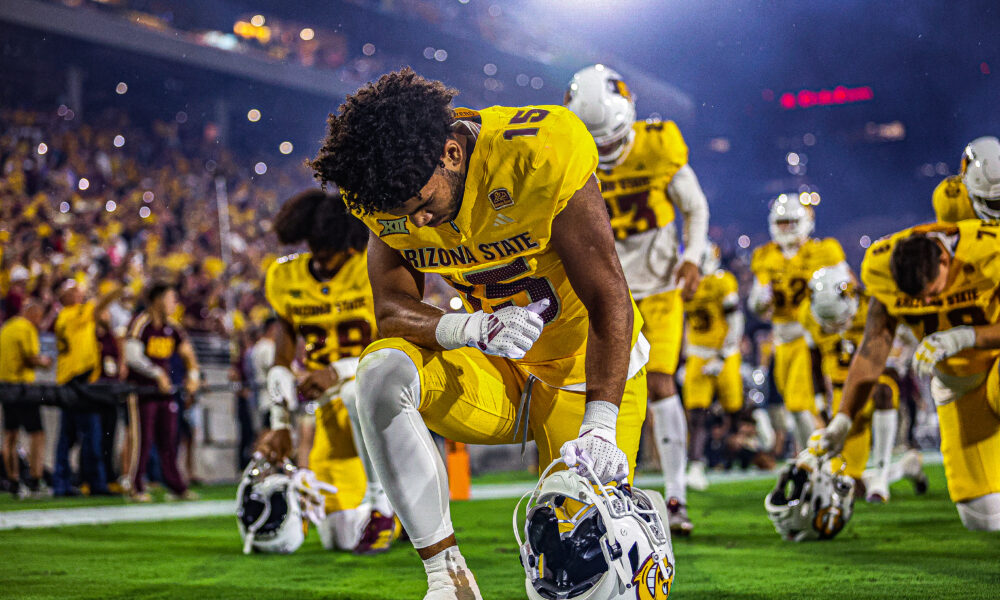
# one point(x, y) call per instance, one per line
point(914, 547)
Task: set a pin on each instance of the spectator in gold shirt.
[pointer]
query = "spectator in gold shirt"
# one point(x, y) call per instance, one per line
point(79, 364)
point(19, 357)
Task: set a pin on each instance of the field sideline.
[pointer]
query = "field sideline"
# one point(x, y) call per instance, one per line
point(914, 547)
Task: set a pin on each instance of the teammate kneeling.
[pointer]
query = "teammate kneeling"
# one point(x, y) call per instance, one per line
point(834, 318)
point(940, 280)
point(502, 203)
point(323, 296)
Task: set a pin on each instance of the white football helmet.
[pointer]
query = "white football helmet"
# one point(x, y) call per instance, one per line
point(711, 259)
point(790, 221)
point(810, 501)
point(272, 503)
point(599, 96)
point(981, 175)
point(834, 298)
point(587, 541)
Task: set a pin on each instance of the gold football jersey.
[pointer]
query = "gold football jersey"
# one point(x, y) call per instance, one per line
point(789, 277)
point(336, 318)
point(972, 296)
point(526, 165)
point(951, 201)
point(636, 190)
point(706, 318)
point(836, 349)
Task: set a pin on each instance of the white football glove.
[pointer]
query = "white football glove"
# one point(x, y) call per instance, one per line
point(713, 367)
point(508, 332)
point(941, 345)
point(597, 447)
point(281, 397)
point(761, 297)
point(830, 440)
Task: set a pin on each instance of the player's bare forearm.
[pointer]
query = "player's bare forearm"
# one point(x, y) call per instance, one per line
point(398, 290)
point(988, 336)
point(284, 344)
point(582, 237)
point(869, 361)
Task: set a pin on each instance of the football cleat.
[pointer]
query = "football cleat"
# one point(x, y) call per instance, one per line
point(588, 541)
point(275, 504)
point(377, 534)
point(913, 469)
point(810, 501)
point(696, 478)
point(677, 518)
point(604, 103)
point(834, 300)
point(981, 175)
point(789, 221)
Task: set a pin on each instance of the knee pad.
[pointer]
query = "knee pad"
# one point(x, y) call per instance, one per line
point(387, 380)
point(980, 514)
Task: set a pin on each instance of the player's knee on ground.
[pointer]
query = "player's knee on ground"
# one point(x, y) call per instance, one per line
point(385, 386)
point(980, 514)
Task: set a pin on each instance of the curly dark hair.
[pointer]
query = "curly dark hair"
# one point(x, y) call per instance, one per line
point(322, 221)
point(914, 263)
point(385, 141)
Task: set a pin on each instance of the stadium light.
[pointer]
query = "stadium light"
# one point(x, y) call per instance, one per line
point(119, 141)
point(743, 241)
point(110, 206)
point(83, 184)
point(260, 168)
point(285, 147)
point(369, 49)
point(257, 20)
point(42, 148)
point(144, 212)
point(307, 34)
point(441, 55)
point(253, 115)
point(865, 241)
point(148, 196)
point(121, 88)
point(64, 207)
point(455, 303)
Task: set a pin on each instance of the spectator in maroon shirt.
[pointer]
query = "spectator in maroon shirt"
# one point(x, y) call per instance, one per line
point(153, 339)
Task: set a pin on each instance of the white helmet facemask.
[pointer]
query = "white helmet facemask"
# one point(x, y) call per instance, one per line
point(600, 98)
point(272, 504)
point(834, 299)
point(588, 541)
point(810, 501)
point(790, 222)
point(981, 175)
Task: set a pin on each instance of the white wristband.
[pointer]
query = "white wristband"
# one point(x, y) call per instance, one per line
point(599, 414)
point(450, 331)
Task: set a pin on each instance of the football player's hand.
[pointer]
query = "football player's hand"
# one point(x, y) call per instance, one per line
point(163, 383)
point(941, 345)
point(315, 383)
point(508, 332)
point(596, 446)
point(830, 440)
point(275, 445)
point(688, 276)
point(191, 386)
point(713, 367)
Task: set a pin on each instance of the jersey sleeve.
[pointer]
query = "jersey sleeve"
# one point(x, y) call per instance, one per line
point(728, 284)
point(566, 159)
point(675, 149)
point(947, 200)
point(273, 290)
point(833, 252)
point(875, 271)
point(757, 265)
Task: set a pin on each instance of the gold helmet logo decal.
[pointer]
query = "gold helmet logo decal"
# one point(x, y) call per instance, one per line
point(651, 582)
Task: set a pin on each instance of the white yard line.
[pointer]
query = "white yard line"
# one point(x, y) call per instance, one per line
point(103, 515)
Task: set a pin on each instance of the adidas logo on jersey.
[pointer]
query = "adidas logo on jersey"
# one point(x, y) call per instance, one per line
point(502, 220)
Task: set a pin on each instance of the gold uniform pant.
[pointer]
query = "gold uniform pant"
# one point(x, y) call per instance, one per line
point(663, 326)
point(699, 389)
point(334, 458)
point(970, 440)
point(793, 375)
point(470, 397)
point(857, 445)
